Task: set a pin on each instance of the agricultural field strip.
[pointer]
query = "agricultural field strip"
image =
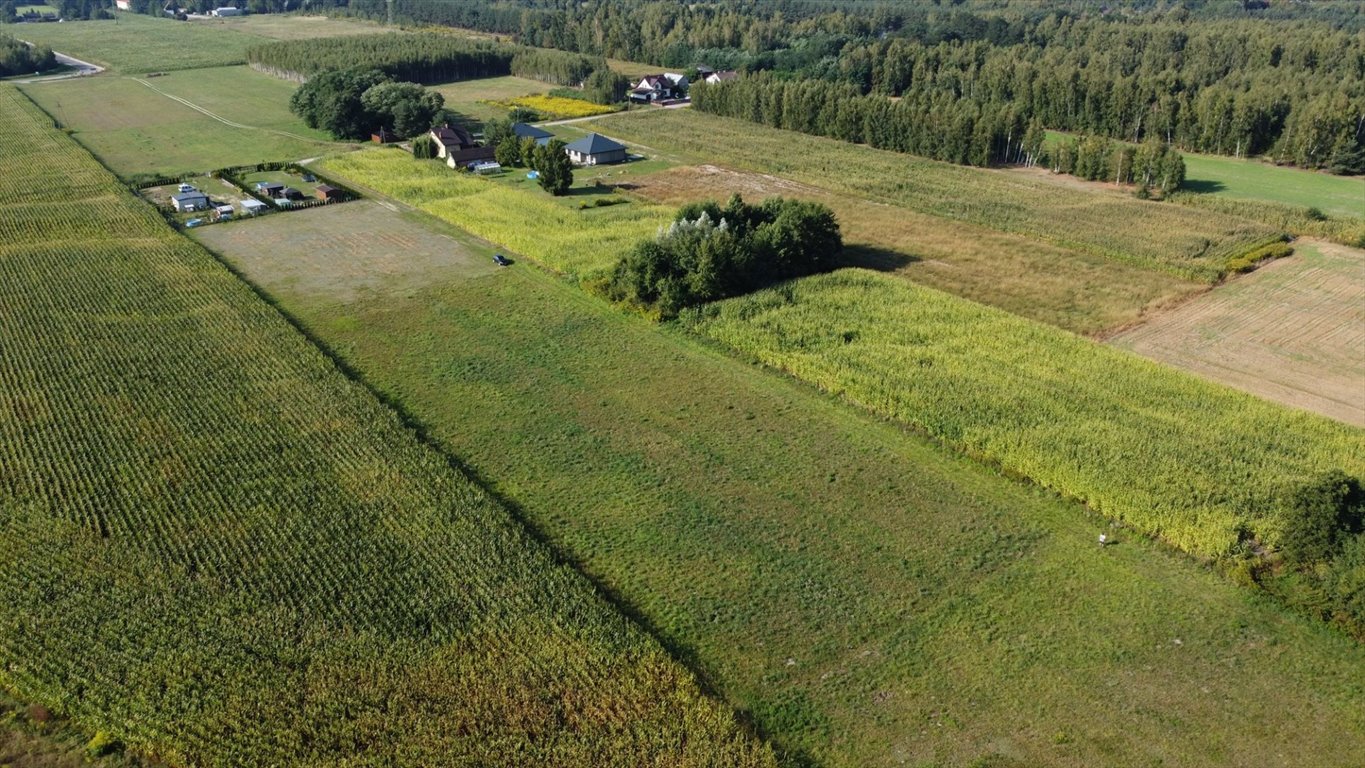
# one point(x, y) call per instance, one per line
point(868, 597)
point(1064, 287)
point(1188, 243)
point(1093, 423)
point(217, 548)
point(219, 118)
point(1292, 331)
point(138, 44)
point(1101, 425)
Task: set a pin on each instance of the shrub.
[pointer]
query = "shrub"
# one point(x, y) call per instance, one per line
point(102, 744)
point(423, 148)
point(1346, 582)
point(1317, 517)
point(1249, 261)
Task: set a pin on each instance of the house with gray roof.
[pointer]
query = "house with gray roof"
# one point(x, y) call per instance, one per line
point(596, 149)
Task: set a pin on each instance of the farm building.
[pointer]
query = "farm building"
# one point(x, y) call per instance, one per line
point(524, 131)
point(596, 149)
point(269, 188)
point(664, 87)
point(190, 201)
point(252, 207)
point(328, 192)
point(226, 11)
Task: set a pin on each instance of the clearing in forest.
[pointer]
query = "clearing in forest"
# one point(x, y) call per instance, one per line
point(1292, 331)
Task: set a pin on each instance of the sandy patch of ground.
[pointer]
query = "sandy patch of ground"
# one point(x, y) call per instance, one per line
point(1292, 331)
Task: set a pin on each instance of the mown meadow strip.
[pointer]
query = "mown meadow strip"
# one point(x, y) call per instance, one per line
point(219, 550)
point(1195, 463)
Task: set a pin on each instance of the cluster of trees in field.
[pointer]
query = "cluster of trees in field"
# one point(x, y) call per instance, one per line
point(1201, 78)
point(354, 103)
point(1152, 166)
point(712, 252)
point(18, 58)
point(1322, 549)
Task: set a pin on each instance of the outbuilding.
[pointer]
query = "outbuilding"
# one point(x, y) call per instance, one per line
point(190, 201)
point(524, 131)
point(252, 207)
point(328, 192)
point(269, 188)
point(596, 149)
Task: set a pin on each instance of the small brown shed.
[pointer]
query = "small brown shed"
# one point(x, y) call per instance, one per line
point(328, 192)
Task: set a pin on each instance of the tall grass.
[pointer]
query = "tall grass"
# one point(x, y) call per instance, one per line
point(1192, 462)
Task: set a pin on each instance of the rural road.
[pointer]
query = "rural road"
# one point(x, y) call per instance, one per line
point(83, 68)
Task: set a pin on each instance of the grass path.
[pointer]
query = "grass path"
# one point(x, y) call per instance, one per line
point(220, 118)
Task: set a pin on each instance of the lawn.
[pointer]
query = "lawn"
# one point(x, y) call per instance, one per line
point(1258, 180)
point(218, 548)
point(1292, 331)
point(136, 44)
point(479, 99)
point(134, 129)
point(866, 597)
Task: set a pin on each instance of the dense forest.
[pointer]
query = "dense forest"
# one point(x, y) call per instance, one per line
point(422, 58)
point(1236, 78)
point(17, 58)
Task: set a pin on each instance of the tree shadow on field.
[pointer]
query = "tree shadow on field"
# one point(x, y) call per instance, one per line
point(1203, 186)
point(865, 256)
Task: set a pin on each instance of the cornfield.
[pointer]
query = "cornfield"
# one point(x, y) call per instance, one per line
point(1198, 464)
point(220, 550)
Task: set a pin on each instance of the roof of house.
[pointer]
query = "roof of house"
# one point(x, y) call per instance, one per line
point(594, 144)
point(269, 185)
point(185, 197)
point(325, 188)
point(728, 74)
point(452, 136)
point(525, 131)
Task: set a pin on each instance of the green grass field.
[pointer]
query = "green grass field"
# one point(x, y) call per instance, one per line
point(868, 598)
point(477, 98)
point(217, 548)
point(281, 26)
point(134, 129)
point(1257, 180)
point(1187, 243)
point(136, 44)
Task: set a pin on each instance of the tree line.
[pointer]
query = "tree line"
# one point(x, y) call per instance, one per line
point(1232, 78)
point(17, 58)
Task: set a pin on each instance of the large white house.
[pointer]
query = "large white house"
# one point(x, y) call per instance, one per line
point(664, 87)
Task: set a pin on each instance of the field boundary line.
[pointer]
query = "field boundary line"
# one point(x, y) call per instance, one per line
point(224, 120)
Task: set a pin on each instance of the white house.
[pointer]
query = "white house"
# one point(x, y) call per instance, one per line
point(719, 77)
point(652, 88)
point(596, 149)
point(227, 11)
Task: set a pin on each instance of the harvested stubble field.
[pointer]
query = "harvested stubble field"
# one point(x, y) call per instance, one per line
point(1191, 244)
point(867, 597)
point(1065, 287)
point(217, 548)
point(1292, 331)
point(135, 130)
